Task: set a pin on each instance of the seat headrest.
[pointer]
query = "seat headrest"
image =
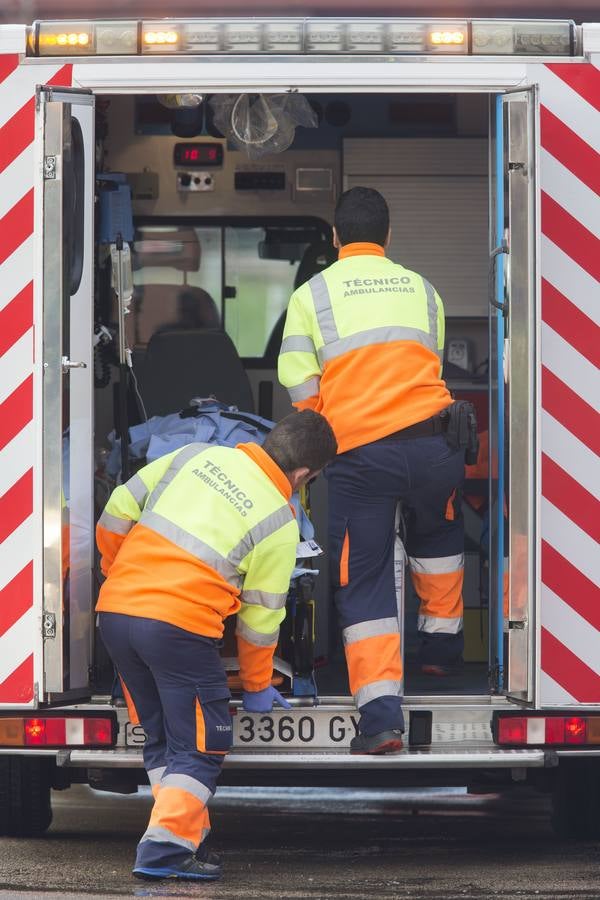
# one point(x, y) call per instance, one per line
point(316, 258)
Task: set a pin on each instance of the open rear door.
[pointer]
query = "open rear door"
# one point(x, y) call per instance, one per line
point(66, 122)
point(513, 387)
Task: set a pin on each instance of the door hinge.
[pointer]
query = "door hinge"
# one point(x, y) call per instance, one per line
point(48, 625)
point(49, 168)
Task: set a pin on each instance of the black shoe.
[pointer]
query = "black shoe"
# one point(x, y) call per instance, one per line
point(201, 866)
point(384, 742)
point(205, 855)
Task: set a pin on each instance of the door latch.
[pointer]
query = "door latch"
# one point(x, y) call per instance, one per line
point(68, 364)
point(48, 625)
point(49, 168)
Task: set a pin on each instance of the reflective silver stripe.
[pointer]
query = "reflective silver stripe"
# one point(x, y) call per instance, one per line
point(383, 335)
point(256, 637)
point(137, 489)
point(305, 390)
point(324, 312)
point(191, 544)
point(155, 775)
point(297, 343)
point(432, 313)
point(264, 598)
point(377, 689)
point(373, 628)
point(184, 456)
point(437, 625)
point(164, 836)
point(400, 559)
point(115, 523)
point(189, 784)
point(267, 526)
point(437, 565)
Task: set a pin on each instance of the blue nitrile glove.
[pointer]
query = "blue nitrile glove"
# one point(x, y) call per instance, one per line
point(262, 701)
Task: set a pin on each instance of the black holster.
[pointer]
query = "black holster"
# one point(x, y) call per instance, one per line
point(461, 430)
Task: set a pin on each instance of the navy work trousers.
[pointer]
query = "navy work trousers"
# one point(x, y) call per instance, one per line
point(365, 486)
point(176, 685)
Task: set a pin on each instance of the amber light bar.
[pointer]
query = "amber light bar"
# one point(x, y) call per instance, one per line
point(57, 731)
point(309, 36)
point(561, 730)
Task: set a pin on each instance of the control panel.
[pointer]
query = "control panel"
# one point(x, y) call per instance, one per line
point(195, 181)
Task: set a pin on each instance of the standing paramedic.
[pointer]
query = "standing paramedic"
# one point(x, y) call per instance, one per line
point(363, 344)
point(194, 537)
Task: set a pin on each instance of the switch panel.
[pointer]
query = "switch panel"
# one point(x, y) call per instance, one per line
point(195, 181)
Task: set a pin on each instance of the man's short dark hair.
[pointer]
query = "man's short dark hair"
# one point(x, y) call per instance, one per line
point(362, 214)
point(303, 439)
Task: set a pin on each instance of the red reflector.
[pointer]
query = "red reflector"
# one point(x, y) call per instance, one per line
point(97, 731)
point(55, 732)
point(555, 730)
point(35, 732)
point(575, 730)
point(512, 730)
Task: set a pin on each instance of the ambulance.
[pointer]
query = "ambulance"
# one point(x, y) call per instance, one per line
point(164, 186)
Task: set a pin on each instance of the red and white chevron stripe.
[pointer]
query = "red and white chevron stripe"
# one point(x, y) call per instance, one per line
point(570, 383)
point(20, 539)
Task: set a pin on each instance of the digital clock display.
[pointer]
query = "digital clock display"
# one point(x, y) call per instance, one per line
point(198, 155)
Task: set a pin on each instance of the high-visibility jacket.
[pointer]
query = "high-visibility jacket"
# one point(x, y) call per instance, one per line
point(363, 344)
point(198, 535)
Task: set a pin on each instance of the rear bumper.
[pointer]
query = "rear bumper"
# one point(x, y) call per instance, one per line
point(452, 756)
point(462, 739)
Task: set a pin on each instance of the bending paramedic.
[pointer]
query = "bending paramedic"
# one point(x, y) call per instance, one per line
point(196, 536)
point(363, 344)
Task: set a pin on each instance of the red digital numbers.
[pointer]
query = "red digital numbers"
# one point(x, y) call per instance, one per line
point(198, 154)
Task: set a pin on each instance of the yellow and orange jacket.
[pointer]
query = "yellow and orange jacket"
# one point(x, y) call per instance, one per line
point(198, 535)
point(363, 344)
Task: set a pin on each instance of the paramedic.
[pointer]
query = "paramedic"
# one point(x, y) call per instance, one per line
point(196, 536)
point(362, 344)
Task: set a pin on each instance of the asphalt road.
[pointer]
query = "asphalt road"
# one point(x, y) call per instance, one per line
point(308, 843)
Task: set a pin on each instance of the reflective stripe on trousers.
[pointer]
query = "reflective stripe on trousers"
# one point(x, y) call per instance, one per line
point(438, 582)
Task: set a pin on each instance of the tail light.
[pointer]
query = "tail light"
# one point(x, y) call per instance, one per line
point(57, 731)
point(544, 731)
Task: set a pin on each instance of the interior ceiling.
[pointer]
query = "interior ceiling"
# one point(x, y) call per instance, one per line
point(28, 10)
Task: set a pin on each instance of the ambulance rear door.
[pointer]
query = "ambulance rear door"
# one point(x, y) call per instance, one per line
point(65, 124)
point(512, 440)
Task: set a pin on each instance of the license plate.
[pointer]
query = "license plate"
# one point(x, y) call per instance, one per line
point(293, 729)
point(280, 730)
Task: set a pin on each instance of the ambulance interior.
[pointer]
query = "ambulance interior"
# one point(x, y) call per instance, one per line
point(220, 242)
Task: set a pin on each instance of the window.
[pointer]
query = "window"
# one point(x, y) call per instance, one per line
point(177, 277)
point(236, 274)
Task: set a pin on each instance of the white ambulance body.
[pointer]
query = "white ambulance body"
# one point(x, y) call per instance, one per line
point(484, 135)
